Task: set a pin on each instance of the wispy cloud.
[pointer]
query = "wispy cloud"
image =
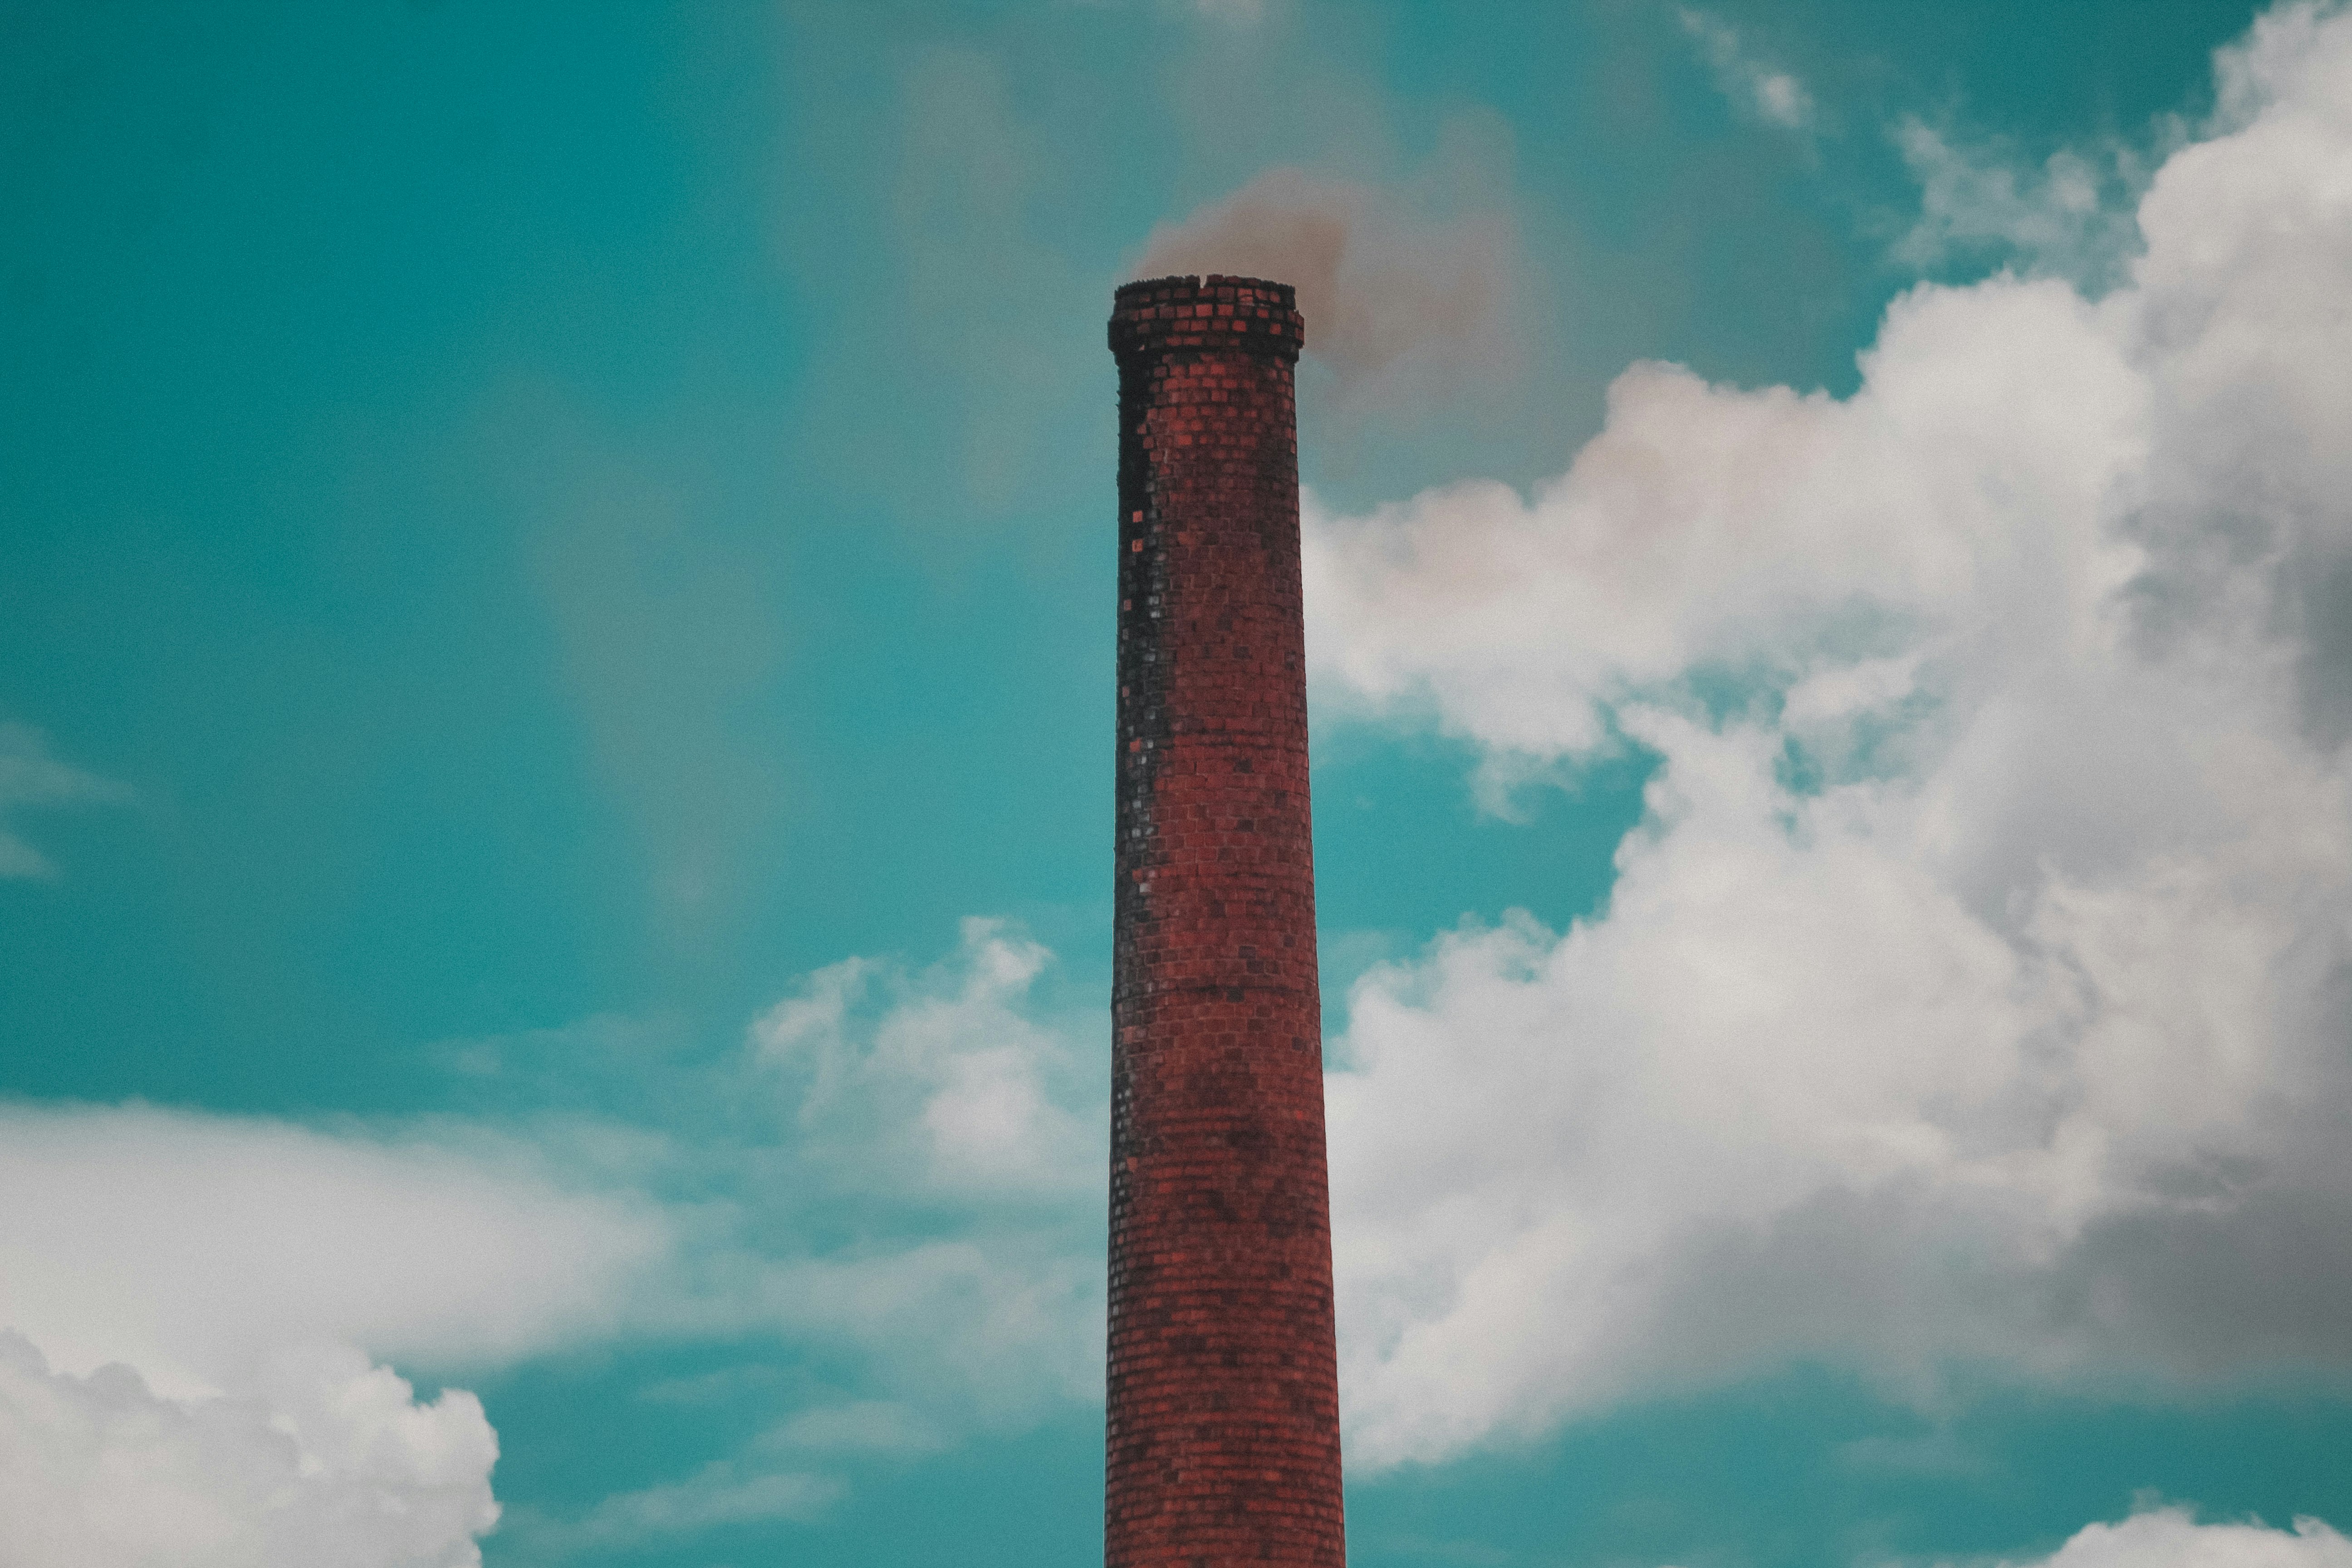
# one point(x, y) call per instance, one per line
point(2070, 216)
point(868, 1425)
point(31, 778)
point(1754, 86)
point(722, 1493)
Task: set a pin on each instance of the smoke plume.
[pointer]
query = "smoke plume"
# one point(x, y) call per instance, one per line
point(1395, 304)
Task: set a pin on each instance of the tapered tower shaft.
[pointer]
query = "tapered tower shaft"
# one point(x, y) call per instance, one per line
point(1223, 1432)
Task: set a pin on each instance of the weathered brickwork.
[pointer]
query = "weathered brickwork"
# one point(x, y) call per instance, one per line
point(1224, 1441)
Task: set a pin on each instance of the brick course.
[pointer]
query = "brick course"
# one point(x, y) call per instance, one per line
point(1223, 1422)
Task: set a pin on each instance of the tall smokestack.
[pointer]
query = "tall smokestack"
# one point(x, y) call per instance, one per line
point(1223, 1437)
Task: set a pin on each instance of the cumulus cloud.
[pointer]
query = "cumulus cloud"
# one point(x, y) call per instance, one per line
point(918, 1182)
point(941, 1076)
point(30, 778)
point(901, 1173)
point(208, 1295)
point(2171, 1538)
point(330, 1460)
point(1396, 302)
point(955, 1098)
point(211, 1297)
point(1772, 95)
point(1973, 989)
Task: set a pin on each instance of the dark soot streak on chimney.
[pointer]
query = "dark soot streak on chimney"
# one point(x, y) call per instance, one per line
point(1223, 1437)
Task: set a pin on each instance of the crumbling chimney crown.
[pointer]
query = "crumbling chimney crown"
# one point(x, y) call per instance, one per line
point(1250, 314)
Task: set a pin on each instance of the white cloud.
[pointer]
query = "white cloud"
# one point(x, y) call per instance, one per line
point(198, 1248)
point(211, 1291)
point(946, 1126)
point(2171, 1538)
point(941, 1128)
point(940, 1077)
point(330, 1461)
point(31, 777)
point(1772, 95)
point(902, 1175)
point(2064, 217)
point(1972, 990)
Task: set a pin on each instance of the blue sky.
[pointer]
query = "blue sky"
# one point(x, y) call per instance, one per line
point(555, 628)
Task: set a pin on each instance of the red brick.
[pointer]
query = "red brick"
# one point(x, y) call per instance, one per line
point(1223, 1421)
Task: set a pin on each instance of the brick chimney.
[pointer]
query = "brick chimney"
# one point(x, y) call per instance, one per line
point(1223, 1432)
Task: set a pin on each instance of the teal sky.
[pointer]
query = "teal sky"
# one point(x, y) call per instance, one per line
point(525, 538)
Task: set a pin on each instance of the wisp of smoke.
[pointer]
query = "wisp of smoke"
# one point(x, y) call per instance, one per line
point(1393, 302)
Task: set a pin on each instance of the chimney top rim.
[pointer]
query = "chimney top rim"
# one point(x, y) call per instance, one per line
point(1220, 312)
point(1198, 283)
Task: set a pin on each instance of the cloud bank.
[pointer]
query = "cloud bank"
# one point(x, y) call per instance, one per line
point(213, 1293)
point(198, 1247)
point(1974, 988)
